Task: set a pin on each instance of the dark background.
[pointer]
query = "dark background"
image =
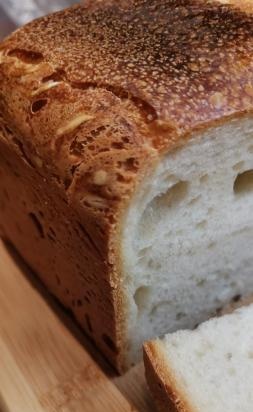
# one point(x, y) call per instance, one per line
point(6, 26)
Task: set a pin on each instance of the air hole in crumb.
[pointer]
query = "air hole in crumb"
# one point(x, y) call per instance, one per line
point(109, 342)
point(201, 282)
point(152, 264)
point(173, 196)
point(194, 200)
point(37, 224)
point(236, 298)
point(130, 164)
point(57, 76)
point(180, 316)
point(238, 166)
point(141, 296)
point(201, 225)
point(157, 208)
point(117, 145)
point(111, 219)
point(88, 323)
point(38, 105)
point(204, 178)
point(27, 56)
point(211, 245)
point(244, 183)
point(123, 179)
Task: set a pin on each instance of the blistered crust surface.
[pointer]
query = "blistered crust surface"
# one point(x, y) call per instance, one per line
point(186, 62)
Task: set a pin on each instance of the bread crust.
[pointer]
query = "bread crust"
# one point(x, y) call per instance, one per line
point(93, 96)
point(167, 394)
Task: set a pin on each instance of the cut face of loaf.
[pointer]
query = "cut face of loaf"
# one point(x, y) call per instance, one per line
point(209, 369)
point(188, 235)
point(126, 158)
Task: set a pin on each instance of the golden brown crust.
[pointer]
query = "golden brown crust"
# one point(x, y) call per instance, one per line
point(187, 62)
point(166, 392)
point(93, 95)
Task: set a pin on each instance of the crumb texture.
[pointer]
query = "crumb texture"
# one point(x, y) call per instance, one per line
point(188, 235)
point(213, 365)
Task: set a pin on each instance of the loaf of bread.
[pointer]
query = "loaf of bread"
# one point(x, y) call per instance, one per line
point(209, 369)
point(126, 162)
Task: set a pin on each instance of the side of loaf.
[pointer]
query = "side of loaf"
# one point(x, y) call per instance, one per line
point(126, 141)
point(209, 369)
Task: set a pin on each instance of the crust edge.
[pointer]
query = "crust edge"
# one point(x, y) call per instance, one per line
point(165, 390)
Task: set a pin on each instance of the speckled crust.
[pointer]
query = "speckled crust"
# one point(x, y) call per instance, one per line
point(90, 98)
point(167, 394)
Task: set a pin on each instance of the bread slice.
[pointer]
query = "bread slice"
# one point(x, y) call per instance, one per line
point(126, 162)
point(209, 369)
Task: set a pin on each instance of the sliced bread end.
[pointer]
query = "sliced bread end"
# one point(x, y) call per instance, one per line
point(168, 396)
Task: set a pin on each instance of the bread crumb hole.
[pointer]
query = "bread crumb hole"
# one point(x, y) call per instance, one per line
point(27, 56)
point(211, 245)
point(180, 315)
point(57, 76)
point(244, 183)
point(236, 298)
point(38, 105)
point(201, 283)
point(201, 225)
point(141, 297)
point(204, 178)
point(171, 198)
point(194, 201)
point(117, 145)
point(238, 166)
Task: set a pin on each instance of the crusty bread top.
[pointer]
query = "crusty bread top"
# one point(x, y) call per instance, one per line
point(182, 62)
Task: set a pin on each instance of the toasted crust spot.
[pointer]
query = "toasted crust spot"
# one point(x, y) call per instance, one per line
point(100, 177)
point(189, 51)
point(47, 86)
point(74, 123)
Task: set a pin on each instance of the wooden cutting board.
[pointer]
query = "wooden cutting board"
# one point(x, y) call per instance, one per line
point(46, 363)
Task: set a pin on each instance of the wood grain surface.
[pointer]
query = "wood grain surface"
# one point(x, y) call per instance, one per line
point(46, 363)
